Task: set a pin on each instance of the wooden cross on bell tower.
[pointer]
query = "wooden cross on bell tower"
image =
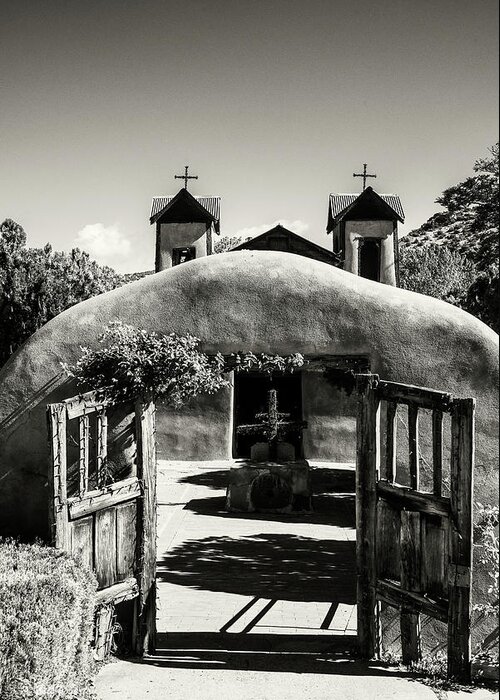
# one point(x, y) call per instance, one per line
point(186, 177)
point(364, 175)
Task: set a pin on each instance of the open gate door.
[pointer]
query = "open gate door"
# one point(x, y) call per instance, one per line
point(109, 524)
point(414, 548)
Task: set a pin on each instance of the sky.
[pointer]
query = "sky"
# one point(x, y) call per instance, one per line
point(272, 103)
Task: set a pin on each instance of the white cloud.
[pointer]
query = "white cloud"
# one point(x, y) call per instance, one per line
point(296, 226)
point(106, 244)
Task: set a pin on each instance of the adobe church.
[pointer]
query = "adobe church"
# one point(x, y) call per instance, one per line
point(278, 293)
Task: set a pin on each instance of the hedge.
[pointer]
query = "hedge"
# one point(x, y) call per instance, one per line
point(46, 624)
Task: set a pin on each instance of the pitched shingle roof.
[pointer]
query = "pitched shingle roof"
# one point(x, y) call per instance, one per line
point(211, 204)
point(341, 203)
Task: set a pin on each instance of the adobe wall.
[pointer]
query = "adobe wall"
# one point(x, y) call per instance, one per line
point(248, 300)
point(382, 230)
point(175, 235)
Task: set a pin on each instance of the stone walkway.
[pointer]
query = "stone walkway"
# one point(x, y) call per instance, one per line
point(250, 574)
point(256, 607)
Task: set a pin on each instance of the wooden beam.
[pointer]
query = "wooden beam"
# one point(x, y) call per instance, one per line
point(407, 393)
point(120, 592)
point(437, 452)
point(86, 403)
point(146, 471)
point(101, 444)
point(390, 445)
point(413, 451)
point(405, 498)
point(83, 462)
point(460, 569)
point(111, 495)
point(416, 602)
point(367, 474)
point(411, 558)
point(58, 510)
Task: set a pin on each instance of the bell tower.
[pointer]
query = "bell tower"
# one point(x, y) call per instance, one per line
point(185, 226)
point(365, 233)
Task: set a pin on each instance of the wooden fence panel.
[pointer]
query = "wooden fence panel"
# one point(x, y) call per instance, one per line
point(429, 536)
point(111, 527)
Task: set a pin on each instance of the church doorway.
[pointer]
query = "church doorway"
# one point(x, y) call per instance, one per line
point(369, 258)
point(251, 397)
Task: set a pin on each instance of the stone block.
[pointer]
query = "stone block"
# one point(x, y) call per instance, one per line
point(270, 487)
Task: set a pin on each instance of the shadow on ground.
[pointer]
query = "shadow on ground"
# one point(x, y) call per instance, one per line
point(262, 653)
point(332, 510)
point(323, 480)
point(276, 566)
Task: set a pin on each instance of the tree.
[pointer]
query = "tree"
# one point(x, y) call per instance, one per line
point(436, 271)
point(226, 243)
point(36, 284)
point(469, 226)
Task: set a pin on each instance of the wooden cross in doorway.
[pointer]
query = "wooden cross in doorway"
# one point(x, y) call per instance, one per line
point(186, 177)
point(364, 175)
point(273, 425)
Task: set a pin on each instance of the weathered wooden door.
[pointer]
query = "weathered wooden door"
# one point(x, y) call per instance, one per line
point(101, 514)
point(414, 546)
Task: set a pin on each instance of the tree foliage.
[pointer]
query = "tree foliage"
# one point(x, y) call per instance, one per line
point(469, 227)
point(437, 272)
point(36, 284)
point(226, 243)
point(135, 363)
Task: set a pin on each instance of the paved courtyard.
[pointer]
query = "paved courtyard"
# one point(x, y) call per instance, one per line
point(247, 574)
point(258, 607)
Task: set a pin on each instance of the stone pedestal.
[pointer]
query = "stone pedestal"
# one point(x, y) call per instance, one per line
point(269, 487)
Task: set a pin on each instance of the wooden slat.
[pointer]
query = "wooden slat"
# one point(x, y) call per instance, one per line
point(101, 443)
point(394, 595)
point(411, 581)
point(82, 541)
point(367, 474)
point(404, 497)
point(434, 550)
point(413, 446)
point(126, 539)
point(118, 593)
point(83, 460)
point(85, 403)
point(58, 511)
point(388, 541)
point(406, 393)
point(460, 573)
point(437, 452)
point(113, 494)
point(102, 640)
point(146, 471)
point(390, 446)
point(105, 547)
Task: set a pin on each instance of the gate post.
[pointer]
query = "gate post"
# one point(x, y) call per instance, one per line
point(460, 567)
point(146, 472)
point(367, 474)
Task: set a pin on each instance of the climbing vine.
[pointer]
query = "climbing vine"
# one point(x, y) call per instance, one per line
point(170, 369)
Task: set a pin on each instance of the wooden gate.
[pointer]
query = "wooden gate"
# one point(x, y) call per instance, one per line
point(107, 521)
point(414, 547)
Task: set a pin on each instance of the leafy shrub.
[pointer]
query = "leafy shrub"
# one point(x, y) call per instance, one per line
point(46, 621)
point(136, 363)
point(487, 536)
